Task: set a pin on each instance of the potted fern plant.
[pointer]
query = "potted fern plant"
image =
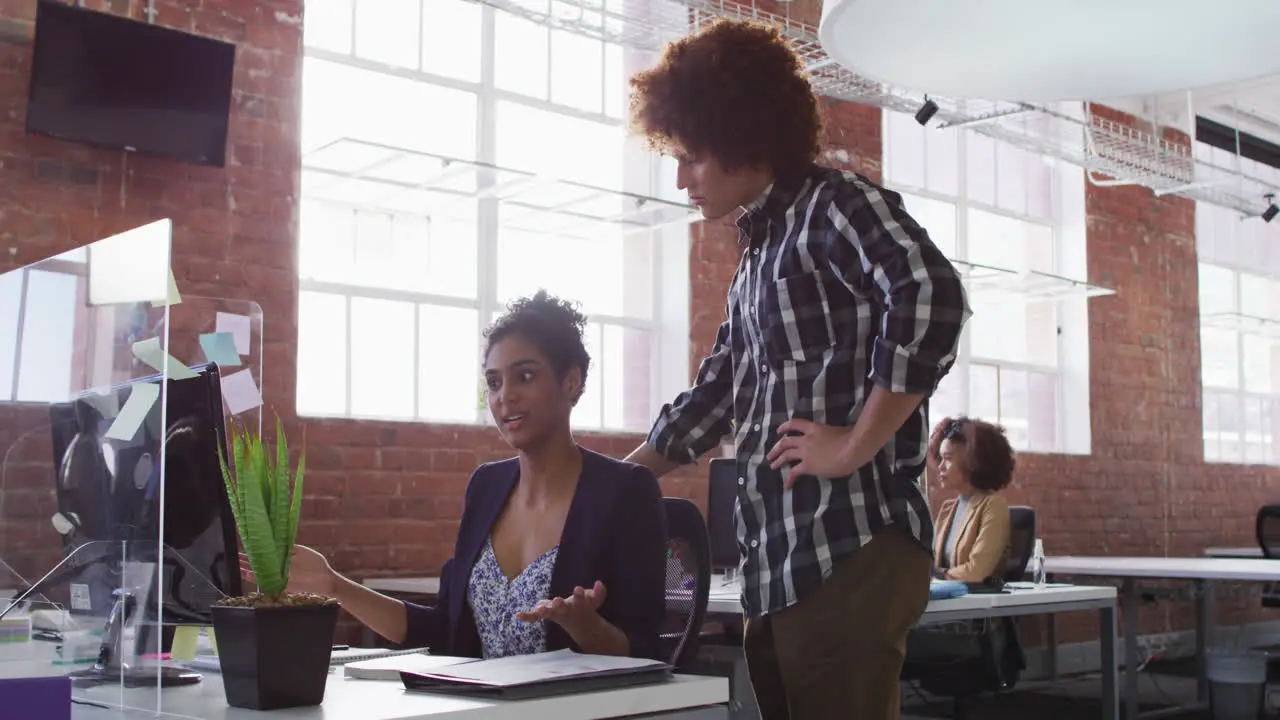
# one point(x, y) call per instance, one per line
point(273, 645)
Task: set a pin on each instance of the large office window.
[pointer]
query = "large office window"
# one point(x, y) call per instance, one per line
point(989, 204)
point(40, 308)
point(399, 276)
point(1239, 279)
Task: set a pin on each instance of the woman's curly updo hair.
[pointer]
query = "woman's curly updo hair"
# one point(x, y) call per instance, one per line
point(735, 91)
point(552, 325)
point(988, 456)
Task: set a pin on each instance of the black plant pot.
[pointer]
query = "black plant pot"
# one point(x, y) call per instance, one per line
point(276, 657)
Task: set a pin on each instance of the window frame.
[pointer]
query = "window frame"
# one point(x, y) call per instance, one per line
point(962, 202)
point(665, 242)
point(1241, 393)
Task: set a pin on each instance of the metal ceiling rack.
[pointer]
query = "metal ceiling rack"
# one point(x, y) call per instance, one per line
point(1244, 324)
point(364, 173)
point(989, 283)
point(1127, 156)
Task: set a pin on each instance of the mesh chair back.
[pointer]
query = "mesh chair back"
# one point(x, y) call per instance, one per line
point(1267, 529)
point(688, 580)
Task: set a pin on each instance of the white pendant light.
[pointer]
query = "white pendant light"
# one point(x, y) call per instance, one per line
point(1046, 50)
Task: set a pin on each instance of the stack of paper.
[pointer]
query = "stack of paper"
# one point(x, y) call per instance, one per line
point(550, 673)
point(389, 668)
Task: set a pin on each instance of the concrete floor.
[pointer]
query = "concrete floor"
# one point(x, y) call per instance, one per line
point(1076, 698)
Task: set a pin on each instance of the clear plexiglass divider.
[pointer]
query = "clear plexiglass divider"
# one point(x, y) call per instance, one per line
point(116, 395)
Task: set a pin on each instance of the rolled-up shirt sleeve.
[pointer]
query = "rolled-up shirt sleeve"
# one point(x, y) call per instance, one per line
point(699, 418)
point(925, 305)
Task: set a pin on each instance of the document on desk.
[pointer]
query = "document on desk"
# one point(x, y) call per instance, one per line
point(389, 668)
point(541, 674)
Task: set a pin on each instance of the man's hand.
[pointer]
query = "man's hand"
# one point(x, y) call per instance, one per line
point(821, 450)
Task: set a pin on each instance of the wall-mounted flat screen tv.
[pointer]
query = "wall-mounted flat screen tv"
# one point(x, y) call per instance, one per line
point(115, 82)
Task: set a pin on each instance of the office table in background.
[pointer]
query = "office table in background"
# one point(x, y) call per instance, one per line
point(1202, 571)
point(1249, 552)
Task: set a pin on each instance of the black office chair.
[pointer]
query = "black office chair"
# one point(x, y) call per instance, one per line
point(1022, 542)
point(688, 581)
point(1267, 529)
point(969, 673)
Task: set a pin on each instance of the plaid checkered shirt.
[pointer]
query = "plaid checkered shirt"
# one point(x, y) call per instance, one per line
point(838, 289)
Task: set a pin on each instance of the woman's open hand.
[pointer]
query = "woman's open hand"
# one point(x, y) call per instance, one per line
point(573, 612)
point(309, 572)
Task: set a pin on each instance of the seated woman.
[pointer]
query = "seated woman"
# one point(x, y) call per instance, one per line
point(559, 547)
point(971, 543)
point(972, 458)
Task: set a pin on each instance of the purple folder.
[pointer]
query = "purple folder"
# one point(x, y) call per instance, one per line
point(37, 698)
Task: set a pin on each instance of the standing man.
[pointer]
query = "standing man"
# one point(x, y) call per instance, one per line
point(842, 318)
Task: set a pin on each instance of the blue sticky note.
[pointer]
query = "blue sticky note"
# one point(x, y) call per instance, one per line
point(220, 348)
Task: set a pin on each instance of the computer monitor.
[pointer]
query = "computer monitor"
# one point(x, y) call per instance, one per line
point(108, 492)
point(722, 497)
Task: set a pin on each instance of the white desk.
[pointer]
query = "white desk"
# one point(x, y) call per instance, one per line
point(686, 697)
point(1030, 601)
point(1189, 568)
point(405, 586)
point(725, 601)
point(1202, 571)
point(1249, 551)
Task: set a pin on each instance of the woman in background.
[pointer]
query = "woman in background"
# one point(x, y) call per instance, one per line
point(558, 547)
point(972, 458)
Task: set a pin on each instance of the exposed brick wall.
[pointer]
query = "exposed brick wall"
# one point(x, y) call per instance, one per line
point(384, 498)
point(233, 226)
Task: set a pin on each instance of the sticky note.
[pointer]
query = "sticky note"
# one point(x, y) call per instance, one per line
point(241, 392)
point(149, 352)
point(141, 399)
point(174, 297)
point(220, 348)
point(184, 642)
point(239, 326)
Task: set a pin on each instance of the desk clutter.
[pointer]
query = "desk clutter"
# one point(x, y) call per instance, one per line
point(518, 677)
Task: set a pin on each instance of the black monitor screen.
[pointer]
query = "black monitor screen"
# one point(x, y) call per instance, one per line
point(108, 490)
point(121, 83)
point(722, 496)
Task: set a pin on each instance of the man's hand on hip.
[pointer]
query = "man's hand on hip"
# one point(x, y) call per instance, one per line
point(830, 451)
point(816, 449)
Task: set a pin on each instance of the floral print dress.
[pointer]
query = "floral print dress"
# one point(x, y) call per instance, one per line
point(495, 600)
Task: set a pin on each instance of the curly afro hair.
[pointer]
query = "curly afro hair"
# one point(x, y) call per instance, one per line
point(735, 91)
point(554, 326)
point(988, 456)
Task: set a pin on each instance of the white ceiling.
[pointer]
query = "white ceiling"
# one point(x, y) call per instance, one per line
point(1047, 50)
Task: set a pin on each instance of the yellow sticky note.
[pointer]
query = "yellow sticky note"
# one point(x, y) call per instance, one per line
point(149, 352)
point(184, 642)
point(174, 297)
point(213, 641)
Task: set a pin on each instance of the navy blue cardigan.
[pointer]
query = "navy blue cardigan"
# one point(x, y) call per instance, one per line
point(615, 532)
